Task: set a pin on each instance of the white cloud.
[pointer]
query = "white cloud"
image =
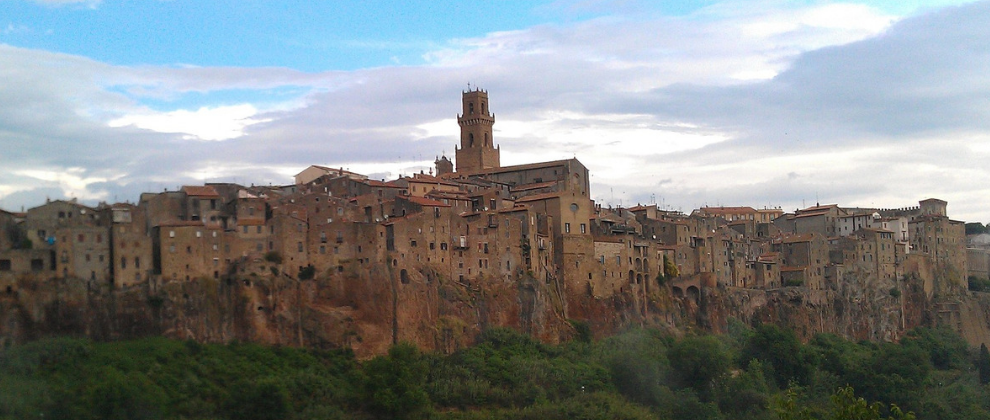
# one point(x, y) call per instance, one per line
point(741, 103)
point(219, 123)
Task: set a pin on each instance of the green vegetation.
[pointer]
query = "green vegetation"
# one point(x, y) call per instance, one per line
point(762, 373)
point(979, 284)
point(976, 228)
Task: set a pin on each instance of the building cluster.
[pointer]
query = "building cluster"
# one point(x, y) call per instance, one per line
point(478, 222)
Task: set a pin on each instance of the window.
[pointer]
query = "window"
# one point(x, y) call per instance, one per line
point(583, 228)
point(5, 265)
point(199, 234)
point(299, 246)
point(137, 262)
point(259, 228)
point(123, 262)
point(244, 229)
point(567, 228)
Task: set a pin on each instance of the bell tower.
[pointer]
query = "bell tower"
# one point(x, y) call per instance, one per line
point(477, 150)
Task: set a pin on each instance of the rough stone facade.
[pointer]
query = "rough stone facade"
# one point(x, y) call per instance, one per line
point(341, 260)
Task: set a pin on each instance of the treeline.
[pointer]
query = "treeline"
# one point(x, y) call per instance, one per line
point(760, 373)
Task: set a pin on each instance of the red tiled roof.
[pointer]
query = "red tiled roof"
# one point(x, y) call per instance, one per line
point(538, 197)
point(376, 183)
point(770, 257)
point(727, 210)
point(514, 209)
point(429, 179)
point(422, 201)
point(183, 223)
point(790, 239)
point(811, 214)
point(534, 186)
point(200, 191)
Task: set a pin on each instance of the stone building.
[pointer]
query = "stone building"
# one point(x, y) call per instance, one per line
point(477, 150)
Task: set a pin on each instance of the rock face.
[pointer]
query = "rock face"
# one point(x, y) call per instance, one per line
point(368, 308)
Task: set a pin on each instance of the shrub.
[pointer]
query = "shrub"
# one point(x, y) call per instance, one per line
point(273, 257)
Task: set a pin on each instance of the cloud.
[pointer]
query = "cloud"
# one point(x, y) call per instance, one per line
point(219, 123)
point(735, 103)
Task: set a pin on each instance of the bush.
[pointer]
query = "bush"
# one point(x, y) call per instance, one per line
point(273, 257)
point(781, 350)
point(395, 385)
point(266, 399)
point(979, 284)
point(699, 363)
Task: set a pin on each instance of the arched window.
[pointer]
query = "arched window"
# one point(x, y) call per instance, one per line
point(471, 108)
point(470, 139)
point(487, 141)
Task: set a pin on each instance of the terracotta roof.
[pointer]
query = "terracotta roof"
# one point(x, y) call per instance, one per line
point(819, 207)
point(422, 201)
point(501, 169)
point(534, 186)
point(250, 222)
point(727, 210)
point(184, 223)
point(790, 239)
point(811, 214)
point(376, 183)
point(424, 178)
point(768, 258)
point(200, 191)
point(514, 209)
point(451, 195)
point(538, 197)
point(792, 269)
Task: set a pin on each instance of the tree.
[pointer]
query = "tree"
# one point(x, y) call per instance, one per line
point(698, 363)
point(845, 405)
point(975, 228)
point(266, 399)
point(395, 386)
point(125, 397)
point(669, 268)
point(780, 349)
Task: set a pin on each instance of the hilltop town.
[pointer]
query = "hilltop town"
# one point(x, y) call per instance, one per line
point(337, 259)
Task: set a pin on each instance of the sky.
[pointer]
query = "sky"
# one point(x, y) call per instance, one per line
point(762, 103)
